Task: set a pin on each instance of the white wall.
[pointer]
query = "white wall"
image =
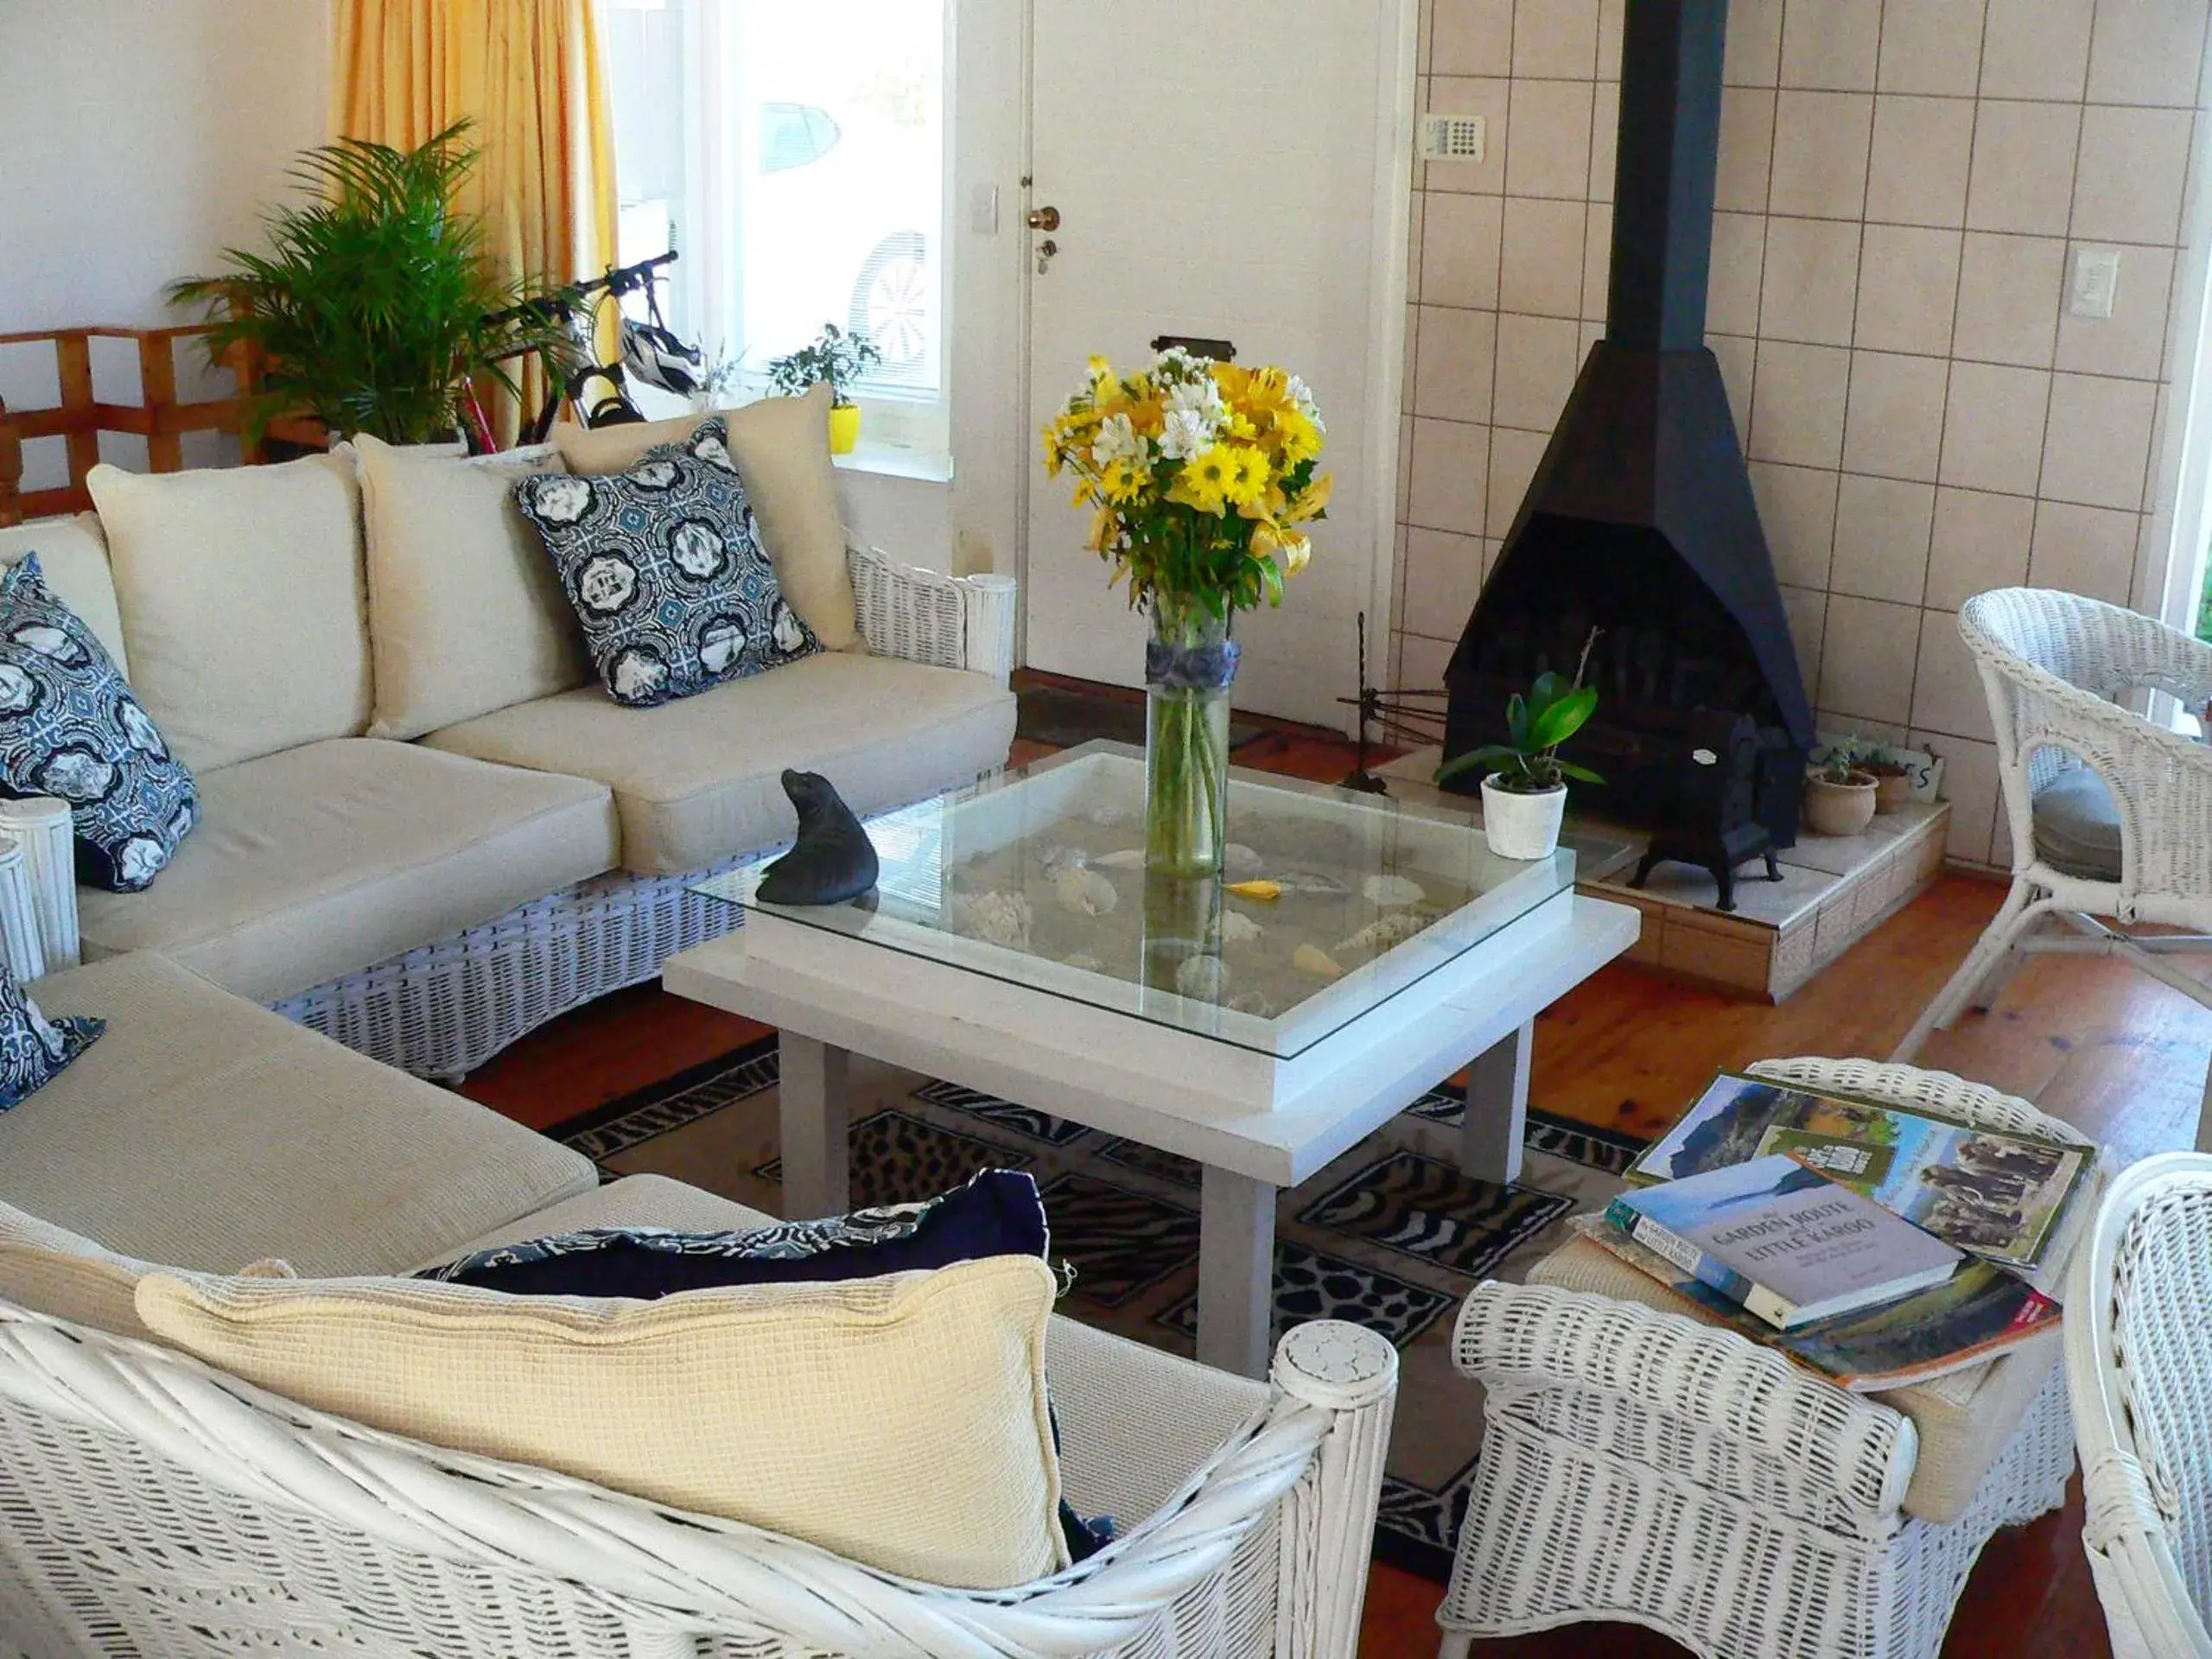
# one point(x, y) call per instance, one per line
point(142, 134)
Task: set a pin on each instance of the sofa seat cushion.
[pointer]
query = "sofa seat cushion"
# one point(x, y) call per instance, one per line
point(700, 780)
point(321, 860)
point(206, 1132)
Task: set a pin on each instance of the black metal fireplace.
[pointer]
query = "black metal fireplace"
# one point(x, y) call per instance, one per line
point(1640, 522)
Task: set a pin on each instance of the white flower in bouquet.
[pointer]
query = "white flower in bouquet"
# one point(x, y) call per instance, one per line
point(1185, 433)
point(1118, 439)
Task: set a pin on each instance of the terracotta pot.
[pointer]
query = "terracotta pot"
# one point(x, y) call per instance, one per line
point(1892, 788)
point(1524, 825)
point(1833, 809)
point(844, 428)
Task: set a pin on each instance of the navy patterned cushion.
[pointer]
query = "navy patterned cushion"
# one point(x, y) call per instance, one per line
point(33, 1048)
point(998, 1213)
point(664, 568)
point(70, 728)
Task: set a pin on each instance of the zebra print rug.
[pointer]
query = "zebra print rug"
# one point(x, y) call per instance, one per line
point(1391, 1235)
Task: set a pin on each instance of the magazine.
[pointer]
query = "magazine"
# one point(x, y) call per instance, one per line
point(1998, 1196)
point(1981, 1311)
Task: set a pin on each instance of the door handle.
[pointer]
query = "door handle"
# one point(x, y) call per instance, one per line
point(1044, 219)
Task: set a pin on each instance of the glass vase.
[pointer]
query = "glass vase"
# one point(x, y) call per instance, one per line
point(1190, 664)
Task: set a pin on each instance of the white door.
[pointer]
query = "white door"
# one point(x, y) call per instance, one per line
point(1225, 170)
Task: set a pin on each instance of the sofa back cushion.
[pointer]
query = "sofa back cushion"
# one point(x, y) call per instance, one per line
point(781, 446)
point(242, 603)
point(465, 613)
point(49, 1270)
point(72, 557)
point(900, 1422)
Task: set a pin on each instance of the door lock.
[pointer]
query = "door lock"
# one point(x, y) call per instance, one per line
point(1045, 250)
point(1044, 219)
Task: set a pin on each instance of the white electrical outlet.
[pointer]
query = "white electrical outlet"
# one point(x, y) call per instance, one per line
point(2094, 282)
point(1452, 137)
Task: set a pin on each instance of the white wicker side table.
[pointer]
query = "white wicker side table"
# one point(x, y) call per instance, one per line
point(1641, 1466)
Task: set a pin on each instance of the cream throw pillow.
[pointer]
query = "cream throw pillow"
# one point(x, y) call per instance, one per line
point(466, 613)
point(900, 1422)
point(72, 555)
point(781, 446)
point(49, 1270)
point(242, 603)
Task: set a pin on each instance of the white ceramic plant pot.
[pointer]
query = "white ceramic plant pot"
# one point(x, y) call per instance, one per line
point(1519, 825)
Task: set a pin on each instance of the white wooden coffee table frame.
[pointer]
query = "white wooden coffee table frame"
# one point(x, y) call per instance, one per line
point(1255, 1122)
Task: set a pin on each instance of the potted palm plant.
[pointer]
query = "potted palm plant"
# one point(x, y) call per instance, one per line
point(373, 308)
point(836, 357)
point(1524, 779)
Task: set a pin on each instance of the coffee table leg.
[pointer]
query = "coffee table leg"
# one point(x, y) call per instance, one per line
point(1237, 1272)
point(810, 1096)
point(1497, 1117)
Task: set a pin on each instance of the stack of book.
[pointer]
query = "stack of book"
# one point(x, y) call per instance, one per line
point(1879, 1245)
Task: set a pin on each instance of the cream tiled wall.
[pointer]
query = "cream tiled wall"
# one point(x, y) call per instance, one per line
point(1901, 184)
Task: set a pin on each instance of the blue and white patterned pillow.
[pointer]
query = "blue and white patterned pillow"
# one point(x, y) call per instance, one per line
point(69, 727)
point(664, 567)
point(33, 1048)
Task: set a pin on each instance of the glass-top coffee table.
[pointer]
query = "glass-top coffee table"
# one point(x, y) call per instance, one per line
point(1358, 951)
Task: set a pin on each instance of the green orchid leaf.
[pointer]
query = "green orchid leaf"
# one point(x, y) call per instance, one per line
point(1580, 774)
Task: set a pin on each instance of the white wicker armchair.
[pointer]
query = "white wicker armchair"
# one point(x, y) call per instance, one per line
point(444, 1008)
point(2139, 1364)
point(150, 1505)
point(1641, 1466)
point(2054, 665)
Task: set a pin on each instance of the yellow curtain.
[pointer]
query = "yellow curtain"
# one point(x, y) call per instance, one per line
point(530, 75)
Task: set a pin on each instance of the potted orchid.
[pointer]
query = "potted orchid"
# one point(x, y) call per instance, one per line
point(1198, 475)
point(1524, 779)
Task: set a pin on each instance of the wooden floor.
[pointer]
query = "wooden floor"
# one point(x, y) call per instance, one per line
point(2113, 1052)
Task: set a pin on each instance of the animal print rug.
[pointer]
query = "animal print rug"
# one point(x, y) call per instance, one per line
point(1391, 1235)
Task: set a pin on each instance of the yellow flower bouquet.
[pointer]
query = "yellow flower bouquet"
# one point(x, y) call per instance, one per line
point(1198, 475)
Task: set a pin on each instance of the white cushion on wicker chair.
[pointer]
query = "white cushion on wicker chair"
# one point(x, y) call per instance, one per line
point(311, 863)
point(700, 780)
point(2077, 826)
point(1965, 1420)
point(207, 1133)
point(242, 602)
point(899, 1420)
point(72, 556)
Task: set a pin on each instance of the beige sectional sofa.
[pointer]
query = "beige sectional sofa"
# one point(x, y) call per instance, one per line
point(428, 901)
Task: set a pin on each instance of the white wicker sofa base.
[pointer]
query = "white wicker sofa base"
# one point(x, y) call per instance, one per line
point(444, 1008)
point(157, 1506)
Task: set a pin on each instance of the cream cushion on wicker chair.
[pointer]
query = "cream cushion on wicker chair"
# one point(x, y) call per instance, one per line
point(700, 780)
point(1965, 1420)
point(781, 446)
point(242, 601)
point(309, 863)
point(206, 1132)
point(72, 555)
point(465, 615)
point(898, 1421)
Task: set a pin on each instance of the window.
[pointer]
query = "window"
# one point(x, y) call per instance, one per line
point(795, 155)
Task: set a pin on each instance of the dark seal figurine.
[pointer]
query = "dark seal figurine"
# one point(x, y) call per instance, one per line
point(832, 861)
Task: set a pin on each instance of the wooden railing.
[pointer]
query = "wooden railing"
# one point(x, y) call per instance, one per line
point(79, 417)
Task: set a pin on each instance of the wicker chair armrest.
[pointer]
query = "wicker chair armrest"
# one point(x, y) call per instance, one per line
point(925, 616)
point(1916, 1089)
point(1526, 1338)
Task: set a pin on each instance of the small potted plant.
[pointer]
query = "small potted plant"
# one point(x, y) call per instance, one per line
point(1524, 780)
point(1892, 779)
point(840, 359)
point(1840, 794)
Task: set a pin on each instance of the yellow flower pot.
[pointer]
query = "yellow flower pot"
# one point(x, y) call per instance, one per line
point(844, 429)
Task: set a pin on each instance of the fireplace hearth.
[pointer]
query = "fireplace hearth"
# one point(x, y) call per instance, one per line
point(1640, 520)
